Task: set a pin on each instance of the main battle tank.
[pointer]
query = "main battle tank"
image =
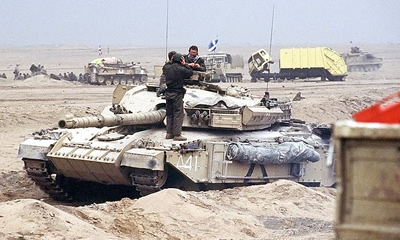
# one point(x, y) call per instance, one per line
point(359, 61)
point(233, 139)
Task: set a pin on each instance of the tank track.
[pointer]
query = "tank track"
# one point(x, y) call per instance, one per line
point(147, 182)
point(37, 170)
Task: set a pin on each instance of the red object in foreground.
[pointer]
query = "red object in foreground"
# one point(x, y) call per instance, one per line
point(385, 111)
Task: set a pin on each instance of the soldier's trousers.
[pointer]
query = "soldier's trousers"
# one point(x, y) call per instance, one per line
point(175, 113)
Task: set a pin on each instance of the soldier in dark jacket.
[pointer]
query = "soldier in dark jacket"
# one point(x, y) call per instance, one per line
point(194, 61)
point(175, 74)
point(163, 85)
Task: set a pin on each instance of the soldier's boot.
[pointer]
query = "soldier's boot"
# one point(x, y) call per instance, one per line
point(169, 136)
point(180, 138)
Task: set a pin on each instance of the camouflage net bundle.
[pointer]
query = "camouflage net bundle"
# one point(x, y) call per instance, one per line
point(287, 152)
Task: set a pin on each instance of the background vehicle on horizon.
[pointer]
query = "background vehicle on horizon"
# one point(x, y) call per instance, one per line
point(299, 63)
point(224, 67)
point(359, 61)
point(112, 71)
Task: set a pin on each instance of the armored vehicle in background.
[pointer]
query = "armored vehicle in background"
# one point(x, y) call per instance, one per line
point(359, 61)
point(233, 139)
point(299, 63)
point(112, 70)
point(224, 67)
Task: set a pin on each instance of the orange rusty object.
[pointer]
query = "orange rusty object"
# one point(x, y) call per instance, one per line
point(385, 111)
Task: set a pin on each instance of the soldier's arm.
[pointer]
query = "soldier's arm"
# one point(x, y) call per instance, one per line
point(202, 67)
point(187, 71)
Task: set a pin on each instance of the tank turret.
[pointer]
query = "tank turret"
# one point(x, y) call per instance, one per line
point(233, 139)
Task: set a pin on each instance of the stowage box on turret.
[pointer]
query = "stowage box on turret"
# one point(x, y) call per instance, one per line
point(234, 139)
point(368, 177)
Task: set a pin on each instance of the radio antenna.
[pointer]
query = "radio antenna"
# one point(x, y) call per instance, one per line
point(270, 37)
point(272, 29)
point(166, 35)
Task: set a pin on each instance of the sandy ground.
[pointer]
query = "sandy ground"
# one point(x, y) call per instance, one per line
point(280, 210)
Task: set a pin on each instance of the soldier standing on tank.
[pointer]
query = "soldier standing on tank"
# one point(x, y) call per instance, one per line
point(194, 61)
point(175, 74)
point(163, 85)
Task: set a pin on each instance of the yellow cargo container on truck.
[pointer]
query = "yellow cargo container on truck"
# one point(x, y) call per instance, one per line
point(299, 63)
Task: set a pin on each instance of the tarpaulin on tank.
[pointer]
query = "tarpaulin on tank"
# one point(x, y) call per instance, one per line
point(196, 97)
point(107, 60)
point(287, 152)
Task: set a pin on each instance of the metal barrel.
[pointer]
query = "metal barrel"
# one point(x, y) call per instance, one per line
point(114, 120)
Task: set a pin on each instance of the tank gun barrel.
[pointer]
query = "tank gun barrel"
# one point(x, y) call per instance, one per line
point(114, 120)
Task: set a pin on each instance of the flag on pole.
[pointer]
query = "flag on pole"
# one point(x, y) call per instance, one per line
point(212, 46)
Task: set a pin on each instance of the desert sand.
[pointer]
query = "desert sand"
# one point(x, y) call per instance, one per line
point(279, 210)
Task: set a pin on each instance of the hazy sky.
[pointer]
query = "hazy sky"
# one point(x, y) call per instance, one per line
point(235, 22)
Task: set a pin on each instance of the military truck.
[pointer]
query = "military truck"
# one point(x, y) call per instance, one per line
point(299, 63)
point(224, 67)
point(359, 61)
point(111, 70)
point(233, 139)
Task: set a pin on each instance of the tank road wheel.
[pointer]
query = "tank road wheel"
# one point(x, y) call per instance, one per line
point(116, 81)
point(143, 79)
point(132, 81)
point(129, 82)
point(108, 82)
point(122, 81)
point(100, 80)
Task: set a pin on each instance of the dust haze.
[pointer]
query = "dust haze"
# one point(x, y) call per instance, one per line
point(144, 23)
